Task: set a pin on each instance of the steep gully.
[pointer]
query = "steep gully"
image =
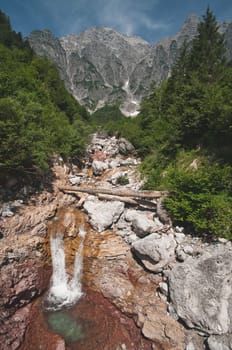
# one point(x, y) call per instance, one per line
point(124, 305)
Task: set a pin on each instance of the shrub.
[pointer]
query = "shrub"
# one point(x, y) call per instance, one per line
point(201, 199)
point(122, 180)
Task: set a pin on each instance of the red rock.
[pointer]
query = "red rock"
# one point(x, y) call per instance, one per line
point(99, 155)
point(20, 284)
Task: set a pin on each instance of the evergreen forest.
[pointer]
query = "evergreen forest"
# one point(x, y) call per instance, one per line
point(183, 132)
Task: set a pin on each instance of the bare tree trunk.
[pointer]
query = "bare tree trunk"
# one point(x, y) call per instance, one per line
point(117, 192)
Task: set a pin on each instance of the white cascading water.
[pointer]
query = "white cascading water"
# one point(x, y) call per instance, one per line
point(64, 292)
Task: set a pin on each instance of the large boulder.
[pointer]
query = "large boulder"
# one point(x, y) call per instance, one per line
point(103, 214)
point(220, 342)
point(201, 290)
point(155, 251)
point(143, 226)
point(142, 222)
point(125, 147)
point(98, 167)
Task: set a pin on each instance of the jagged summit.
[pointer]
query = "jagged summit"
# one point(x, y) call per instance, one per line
point(102, 66)
point(187, 31)
point(112, 40)
point(106, 33)
point(189, 28)
point(191, 20)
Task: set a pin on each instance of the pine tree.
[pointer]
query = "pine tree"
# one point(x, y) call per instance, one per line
point(181, 68)
point(5, 29)
point(208, 48)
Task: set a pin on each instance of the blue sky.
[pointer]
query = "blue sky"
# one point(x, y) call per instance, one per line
point(150, 19)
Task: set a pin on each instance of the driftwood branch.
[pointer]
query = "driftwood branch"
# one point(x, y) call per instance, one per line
point(117, 192)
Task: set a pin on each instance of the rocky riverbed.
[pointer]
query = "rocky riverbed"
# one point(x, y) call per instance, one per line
point(175, 289)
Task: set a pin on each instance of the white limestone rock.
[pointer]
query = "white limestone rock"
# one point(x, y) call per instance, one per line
point(201, 290)
point(7, 210)
point(74, 180)
point(98, 167)
point(155, 251)
point(103, 214)
point(223, 342)
point(125, 147)
point(142, 222)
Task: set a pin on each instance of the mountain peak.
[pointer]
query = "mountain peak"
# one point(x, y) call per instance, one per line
point(106, 34)
point(102, 66)
point(193, 18)
point(191, 24)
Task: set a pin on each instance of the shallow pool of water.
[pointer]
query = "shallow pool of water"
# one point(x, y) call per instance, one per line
point(92, 324)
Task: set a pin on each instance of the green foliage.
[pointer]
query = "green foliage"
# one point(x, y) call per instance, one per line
point(122, 180)
point(208, 49)
point(106, 115)
point(200, 191)
point(38, 117)
point(11, 39)
point(201, 199)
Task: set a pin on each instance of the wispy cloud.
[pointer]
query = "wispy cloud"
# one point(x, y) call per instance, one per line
point(153, 25)
point(150, 19)
point(127, 16)
point(130, 16)
point(133, 17)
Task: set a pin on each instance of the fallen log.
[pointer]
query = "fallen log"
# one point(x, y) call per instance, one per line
point(136, 201)
point(117, 192)
point(109, 197)
point(127, 200)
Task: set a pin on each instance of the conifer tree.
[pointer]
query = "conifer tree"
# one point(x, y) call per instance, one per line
point(5, 29)
point(208, 48)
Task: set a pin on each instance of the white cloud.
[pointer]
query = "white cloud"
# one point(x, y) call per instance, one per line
point(153, 25)
point(132, 17)
point(129, 16)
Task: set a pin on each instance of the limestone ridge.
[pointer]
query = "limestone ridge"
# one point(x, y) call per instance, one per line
point(101, 66)
point(46, 44)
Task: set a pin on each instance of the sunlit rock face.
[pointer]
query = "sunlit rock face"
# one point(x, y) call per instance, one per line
point(208, 308)
point(101, 66)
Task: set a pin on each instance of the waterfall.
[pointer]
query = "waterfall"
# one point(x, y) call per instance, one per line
point(64, 292)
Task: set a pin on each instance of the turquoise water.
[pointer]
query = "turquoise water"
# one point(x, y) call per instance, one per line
point(62, 323)
point(94, 324)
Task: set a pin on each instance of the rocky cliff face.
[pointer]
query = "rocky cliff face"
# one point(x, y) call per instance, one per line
point(102, 66)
